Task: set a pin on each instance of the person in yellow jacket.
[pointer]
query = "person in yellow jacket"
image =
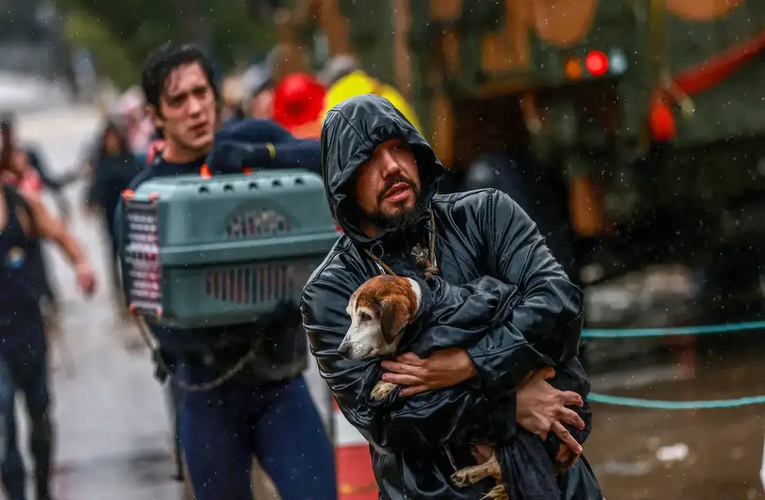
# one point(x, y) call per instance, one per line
point(344, 79)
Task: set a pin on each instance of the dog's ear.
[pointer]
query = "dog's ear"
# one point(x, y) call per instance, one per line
point(392, 319)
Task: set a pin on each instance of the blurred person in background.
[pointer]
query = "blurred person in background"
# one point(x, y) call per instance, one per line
point(114, 167)
point(138, 126)
point(259, 92)
point(232, 99)
point(265, 408)
point(20, 174)
point(56, 186)
point(24, 220)
point(344, 78)
point(17, 169)
point(297, 105)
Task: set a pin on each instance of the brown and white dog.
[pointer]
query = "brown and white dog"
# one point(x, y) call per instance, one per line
point(380, 309)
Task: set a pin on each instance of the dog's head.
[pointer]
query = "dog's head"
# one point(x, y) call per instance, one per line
point(379, 311)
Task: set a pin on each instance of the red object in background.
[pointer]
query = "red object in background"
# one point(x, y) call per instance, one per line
point(597, 63)
point(695, 79)
point(298, 100)
point(661, 121)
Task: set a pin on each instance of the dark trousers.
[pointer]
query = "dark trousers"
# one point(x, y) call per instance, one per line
point(221, 430)
point(24, 367)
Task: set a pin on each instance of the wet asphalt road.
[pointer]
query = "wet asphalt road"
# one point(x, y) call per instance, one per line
point(113, 426)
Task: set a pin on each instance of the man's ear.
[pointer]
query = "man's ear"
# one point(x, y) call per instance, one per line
point(156, 117)
point(392, 320)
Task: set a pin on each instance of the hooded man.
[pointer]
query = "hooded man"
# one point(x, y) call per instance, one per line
point(380, 177)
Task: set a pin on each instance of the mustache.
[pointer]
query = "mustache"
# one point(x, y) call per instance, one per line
point(392, 182)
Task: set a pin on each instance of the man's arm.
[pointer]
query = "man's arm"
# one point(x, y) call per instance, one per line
point(422, 421)
point(549, 311)
point(258, 143)
point(49, 227)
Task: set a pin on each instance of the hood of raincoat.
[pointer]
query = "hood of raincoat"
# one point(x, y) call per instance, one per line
point(351, 132)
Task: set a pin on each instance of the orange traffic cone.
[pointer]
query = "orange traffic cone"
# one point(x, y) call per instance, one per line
point(355, 479)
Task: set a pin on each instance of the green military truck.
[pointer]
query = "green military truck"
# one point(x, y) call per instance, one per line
point(646, 112)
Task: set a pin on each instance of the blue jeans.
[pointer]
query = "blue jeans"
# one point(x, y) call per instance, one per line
point(24, 367)
point(221, 430)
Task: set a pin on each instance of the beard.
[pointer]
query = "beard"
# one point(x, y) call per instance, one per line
point(404, 218)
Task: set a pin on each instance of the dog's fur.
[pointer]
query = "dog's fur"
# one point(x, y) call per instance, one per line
point(380, 310)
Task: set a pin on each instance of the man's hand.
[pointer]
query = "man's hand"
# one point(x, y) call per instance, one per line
point(540, 408)
point(86, 279)
point(445, 368)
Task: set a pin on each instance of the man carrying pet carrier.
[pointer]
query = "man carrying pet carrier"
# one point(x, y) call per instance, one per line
point(380, 177)
point(232, 406)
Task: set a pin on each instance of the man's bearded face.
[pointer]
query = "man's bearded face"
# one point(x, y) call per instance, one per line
point(388, 188)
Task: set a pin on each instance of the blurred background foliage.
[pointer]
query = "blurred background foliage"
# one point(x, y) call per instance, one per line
point(120, 34)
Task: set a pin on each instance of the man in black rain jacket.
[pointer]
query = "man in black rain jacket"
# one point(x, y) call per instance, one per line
point(380, 177)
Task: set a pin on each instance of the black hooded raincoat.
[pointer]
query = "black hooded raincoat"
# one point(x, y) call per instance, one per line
point(531, 318)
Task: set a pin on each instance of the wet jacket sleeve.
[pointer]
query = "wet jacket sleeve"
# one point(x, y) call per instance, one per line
point(265, 144)
point(548, 312)
point(424, 421)
point(459, 315)
point(232, 156)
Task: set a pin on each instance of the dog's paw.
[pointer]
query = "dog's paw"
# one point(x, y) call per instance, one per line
point(468, 475)
point(564, 459)
point(498, 493)
point(381, 390)
point(461, 478)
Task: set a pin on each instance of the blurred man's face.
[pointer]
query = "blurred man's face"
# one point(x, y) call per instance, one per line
point(187, 113)
point(261, 104)
point(388, 187)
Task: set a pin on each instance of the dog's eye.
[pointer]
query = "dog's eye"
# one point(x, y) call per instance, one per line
point(364, 317)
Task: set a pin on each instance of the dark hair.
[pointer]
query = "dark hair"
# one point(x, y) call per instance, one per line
point(161, 63)
point(7, 120)
point(113, 126)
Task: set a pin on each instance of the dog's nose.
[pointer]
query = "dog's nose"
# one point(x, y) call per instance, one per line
point(345, 349)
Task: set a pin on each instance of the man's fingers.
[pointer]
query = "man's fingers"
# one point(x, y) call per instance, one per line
point(402, 368)
point(570, 398)
point(398, 379)
point(565, 436)
point(571, 418)
point(547, 372)
point(411, 391)
point(410, 358)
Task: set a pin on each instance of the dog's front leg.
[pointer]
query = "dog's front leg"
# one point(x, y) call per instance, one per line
point(471, 475)
point(382, 389)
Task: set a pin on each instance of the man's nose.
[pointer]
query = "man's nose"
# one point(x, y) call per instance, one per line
point(390, 165)
point(345, 349)
point(195, 106)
